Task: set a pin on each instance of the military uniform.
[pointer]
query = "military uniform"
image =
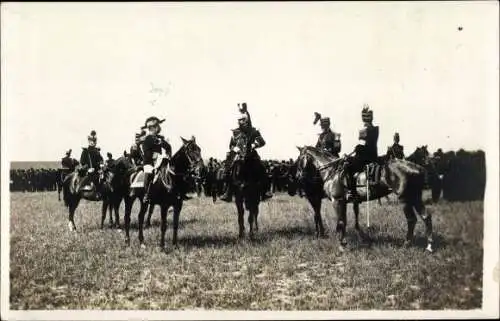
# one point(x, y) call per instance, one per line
point(365, 154)
point(368, 152)
point(68, 164)
point(246, 139)
point(328, 142)
point(91, 161)
point(91, 158)
point(396, 151)
point(153, 145)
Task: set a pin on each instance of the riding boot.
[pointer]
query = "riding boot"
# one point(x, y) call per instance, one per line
point(148, 178)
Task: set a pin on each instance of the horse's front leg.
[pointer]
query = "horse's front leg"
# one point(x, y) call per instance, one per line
point(104, 209)
point(73, 204)
point(150, 213)
point(163, 228)
point(177, 213)
point(427, 218)
point(241, 216)
point(339, 209)
point(128, 210)
point(363, 236)
point(142, 213)
point(411, 220)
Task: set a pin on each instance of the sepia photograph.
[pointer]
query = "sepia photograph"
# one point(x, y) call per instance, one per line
point(250, 160)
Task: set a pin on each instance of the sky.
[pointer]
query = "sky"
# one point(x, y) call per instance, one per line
point(428, 70)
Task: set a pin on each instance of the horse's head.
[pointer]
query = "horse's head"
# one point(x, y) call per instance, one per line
point(304, 163)
point(192, 152)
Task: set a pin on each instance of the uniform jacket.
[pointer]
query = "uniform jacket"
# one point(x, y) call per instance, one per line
point(69, 163)
point(91, 157)
point(328, 143)
point(245, 138)
point(396, 151)
point(370, 136)
point(154, 144)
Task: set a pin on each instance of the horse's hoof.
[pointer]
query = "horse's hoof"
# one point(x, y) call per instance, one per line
point(429, 248)
point(143, 246)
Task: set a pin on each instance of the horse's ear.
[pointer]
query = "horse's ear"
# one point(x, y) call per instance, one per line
point(184, 141)
point(193, 139)
point(300, 149)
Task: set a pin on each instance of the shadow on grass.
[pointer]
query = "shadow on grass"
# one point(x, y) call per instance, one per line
point(134, 225)
point(218, 241)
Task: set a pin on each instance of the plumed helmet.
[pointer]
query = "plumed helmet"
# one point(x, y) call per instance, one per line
point(109, 155)
point(92, 137)
point(68, 152)
point(325, 121)
point(317, 117)
point(366, 113)
point(152, 121)
point(396, 135)
point(242, 107)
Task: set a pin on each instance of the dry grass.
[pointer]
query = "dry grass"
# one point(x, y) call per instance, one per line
point(285, 268)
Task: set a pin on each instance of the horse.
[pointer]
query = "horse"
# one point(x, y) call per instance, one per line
point(114, 191)
point(421, 156)
point(402, 177)
point(77, 186)
point(164, 190)
point(247, 187)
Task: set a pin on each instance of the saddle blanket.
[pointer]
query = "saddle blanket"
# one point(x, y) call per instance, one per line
point(137, 179)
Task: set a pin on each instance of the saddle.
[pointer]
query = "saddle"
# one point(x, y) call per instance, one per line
point(137, 178)
point(372, 172)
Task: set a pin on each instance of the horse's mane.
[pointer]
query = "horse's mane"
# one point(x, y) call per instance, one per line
point(319, 154)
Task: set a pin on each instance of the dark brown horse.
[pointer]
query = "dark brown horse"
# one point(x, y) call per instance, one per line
point(76, 186)
point(328, 175)
point(165, 190)
point(421, 156)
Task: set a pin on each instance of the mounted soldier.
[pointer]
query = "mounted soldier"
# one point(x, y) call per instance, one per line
point(365, 153)
point(396, 150)
point(91, 162)
point(110, 161)
point(68, 164)
point(244, 142)
point(152, 146)
point(328, 141)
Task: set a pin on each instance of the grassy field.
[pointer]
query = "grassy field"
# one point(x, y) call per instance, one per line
point(286, 267)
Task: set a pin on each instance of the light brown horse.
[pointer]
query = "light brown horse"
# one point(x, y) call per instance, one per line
point(404, 178)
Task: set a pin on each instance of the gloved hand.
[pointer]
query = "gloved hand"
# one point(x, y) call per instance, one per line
point(236, 149)
point(90, 170)
point(253, 146)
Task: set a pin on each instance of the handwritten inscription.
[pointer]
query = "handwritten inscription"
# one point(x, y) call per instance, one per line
point(158, 92)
